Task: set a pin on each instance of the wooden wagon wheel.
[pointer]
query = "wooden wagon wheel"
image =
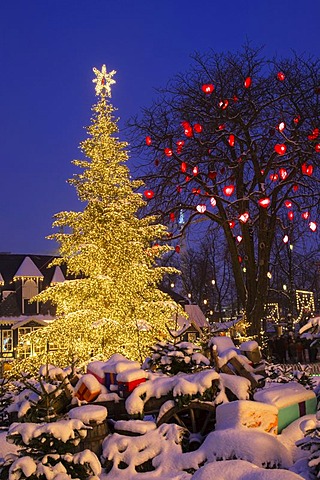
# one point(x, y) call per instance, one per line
point(197, 418)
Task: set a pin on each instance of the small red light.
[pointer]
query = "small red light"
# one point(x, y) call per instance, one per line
point(295, 187)
point(201, 208)
point(179, 188)
point(197, 128)
point(290, 215)
point(149, 194)
point(296, 119)
point(223, 104)
point(207, 88)
point(183, 167)
point(148, 141)
point(231, 140)
point(283, 173)
point(232, 224)
point(247, 82)
point(228, 190)
point(305, 215)
point(172, 217)
point(222, 126)
point(317, 147)
point(195, 171)
point(288, 204)
point(187, 129)
point(244, 217)
point(213, 201)
point(177, 248)
point(280, 148)
point(313, 226)
point(307, 169)
point(281, 126)
point(180, 145)
point(168, 152)
point(196, 191)
point(281, 76)
point(264, 202)
point(274, 177)
point(314, 135)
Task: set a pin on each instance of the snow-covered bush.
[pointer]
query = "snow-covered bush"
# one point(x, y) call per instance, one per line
point(47, 450)
point(287, 373)
point(174, 358)
point(311, 442)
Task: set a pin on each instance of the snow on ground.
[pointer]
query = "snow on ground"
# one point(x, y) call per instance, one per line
point(6, 447)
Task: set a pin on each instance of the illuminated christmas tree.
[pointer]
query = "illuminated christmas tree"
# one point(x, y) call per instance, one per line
point(113, 304)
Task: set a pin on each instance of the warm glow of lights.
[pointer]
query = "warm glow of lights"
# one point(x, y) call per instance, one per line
point(183, 167)
point(239, 238)
point(232, 224)
point(307, 169)
point(231, 140)
point(223, 104)
point(285, 239)
point(288, 203)
point(269, 275)
point(168, 152)
point(172, 216)
point(195, 171)
point(281, 76)
point(274, 177)
point(305, 215)
point(281, 126)
point(148, 141)
point(283, 173)
point(213, 201)
point(291, 215)
point(314, 135)
point(187, 129)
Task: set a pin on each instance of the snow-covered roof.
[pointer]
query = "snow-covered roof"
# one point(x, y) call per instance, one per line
point(58, 276)
point(27, 269)
point(1, 280)
point(195, 318)
point(23, 319)
point(26, 320)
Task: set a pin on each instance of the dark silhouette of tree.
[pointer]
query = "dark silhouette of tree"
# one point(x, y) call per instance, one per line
point(236, 140)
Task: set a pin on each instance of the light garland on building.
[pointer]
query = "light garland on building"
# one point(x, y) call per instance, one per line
point(304, 303)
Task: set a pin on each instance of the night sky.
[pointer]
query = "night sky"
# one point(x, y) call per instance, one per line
point(48, 49)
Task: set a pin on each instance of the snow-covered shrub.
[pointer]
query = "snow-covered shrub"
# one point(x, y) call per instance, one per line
point(44, 398)
point(311, 442)
point(278, 373)
point(174, 358)
point(48, 450)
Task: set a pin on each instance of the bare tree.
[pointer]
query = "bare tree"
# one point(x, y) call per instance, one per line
point(236, 140)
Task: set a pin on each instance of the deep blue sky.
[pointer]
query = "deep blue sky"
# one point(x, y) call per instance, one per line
point(47, 51)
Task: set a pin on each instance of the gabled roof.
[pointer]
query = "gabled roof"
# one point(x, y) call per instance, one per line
point(58, 276)
point(28, 269)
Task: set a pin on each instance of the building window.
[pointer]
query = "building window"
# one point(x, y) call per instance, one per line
point(7, 344)
point(26, 349)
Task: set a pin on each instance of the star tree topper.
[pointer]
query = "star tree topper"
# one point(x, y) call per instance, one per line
point(103, 81)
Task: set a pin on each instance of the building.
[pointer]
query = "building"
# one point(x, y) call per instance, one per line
point(21, 278)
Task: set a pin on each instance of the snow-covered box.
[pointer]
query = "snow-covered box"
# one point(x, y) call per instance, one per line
point(251, 350)
point(249, 414)
point(292, 400)
point(106, 372)
point(128, 380)
point(88, 388)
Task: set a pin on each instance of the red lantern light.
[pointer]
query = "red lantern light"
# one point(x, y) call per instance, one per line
point(283, 173)
point(213, 201)
point(207, 88)
point(313, 226)
point(247, 82)
point(177, 248)
point(148, 141)
point(264, 202)
point(223, 104)
point(228, 190)
point(274, 177)
point(235, 98)
point(168, 152)
point(188, 178)
point(285, 239)
point(281, 126)
point(201, 208)
point(307, 169)
point(212, 175)
point(288, 204)
point(280, 148)
point(196, 191)
point(231, 140)
point(295, 187)
point(281, 76)
point(195, 171)
point(317, 147)
point(149, 194)
point(187, 129)
point(305, 215)
point(296, 119)
point(172, 216)
point(290, 215)
point(244, 217)
point(184, 167)
point(232, 224)
point(239, 259)
point(197, 128)
point(314, 135)
point(180, 145)
point(222, 126)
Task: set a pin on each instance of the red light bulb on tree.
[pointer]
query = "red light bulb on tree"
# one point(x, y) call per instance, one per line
point(244, 217)
point(184, 167)
point(231, 140)
point(195, 171)
point(149, 194)
point(197, 128)
point(288, 204)
point(291, 215)
point(283, 173)
point(264, 202)
point(280, 148)
point(148, 141)
point(228, 190)
point(201, 208)
point(313, 226)
point(281, 76)
point(168, 152)
point(305, 215)
point(207, 88)
point(247, 82)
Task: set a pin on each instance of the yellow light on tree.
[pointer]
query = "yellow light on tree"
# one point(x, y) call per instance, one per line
point(114, 303)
